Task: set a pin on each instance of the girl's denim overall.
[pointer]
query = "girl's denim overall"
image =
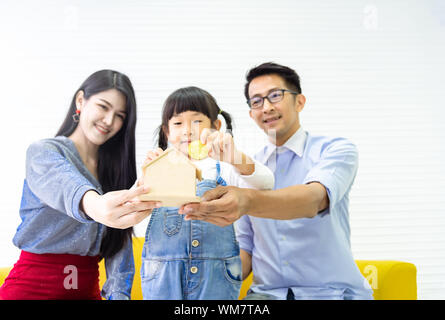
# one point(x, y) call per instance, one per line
point(190, 260)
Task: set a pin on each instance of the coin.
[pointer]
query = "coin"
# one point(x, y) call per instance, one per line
point(197, 150)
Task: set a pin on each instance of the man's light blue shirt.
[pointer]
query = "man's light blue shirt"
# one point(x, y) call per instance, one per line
point(312, 256)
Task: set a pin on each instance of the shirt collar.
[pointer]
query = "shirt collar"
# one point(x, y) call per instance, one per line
point(295, 144)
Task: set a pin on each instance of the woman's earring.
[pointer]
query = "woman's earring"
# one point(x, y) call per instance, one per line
point(76, 116)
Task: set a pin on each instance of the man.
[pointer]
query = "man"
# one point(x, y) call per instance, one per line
point(302, 250)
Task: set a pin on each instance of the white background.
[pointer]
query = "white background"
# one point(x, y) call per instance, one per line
point(372, 71)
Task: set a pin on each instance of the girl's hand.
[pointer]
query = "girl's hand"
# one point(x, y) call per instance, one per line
point(222, 148)
point(151, 155)
point(221, 145)
point(118, 209)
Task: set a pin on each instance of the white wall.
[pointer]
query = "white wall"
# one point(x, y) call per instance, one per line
point(372, 71)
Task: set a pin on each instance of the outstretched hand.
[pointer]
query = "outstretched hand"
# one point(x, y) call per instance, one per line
point(221, 206)
point(118, 209)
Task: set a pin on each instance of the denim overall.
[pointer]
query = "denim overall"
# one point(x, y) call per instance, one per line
point(190, 260)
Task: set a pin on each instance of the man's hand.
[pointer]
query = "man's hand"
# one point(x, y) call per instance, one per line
point(221, 206)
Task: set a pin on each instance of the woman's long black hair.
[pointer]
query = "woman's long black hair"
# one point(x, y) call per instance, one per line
point(190, 99)
point(116, 165)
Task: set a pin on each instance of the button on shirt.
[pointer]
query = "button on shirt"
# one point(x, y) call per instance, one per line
point(311, 256)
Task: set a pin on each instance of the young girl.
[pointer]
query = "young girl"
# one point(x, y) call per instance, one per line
point(194, 259)
point(68, 190)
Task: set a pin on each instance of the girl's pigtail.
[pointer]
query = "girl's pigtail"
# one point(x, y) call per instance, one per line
point(162, 139)
point(228, 120)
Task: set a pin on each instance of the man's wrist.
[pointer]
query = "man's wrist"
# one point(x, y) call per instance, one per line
point(247, 201)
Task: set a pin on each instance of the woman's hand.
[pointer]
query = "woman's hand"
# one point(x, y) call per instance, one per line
point(118, 209)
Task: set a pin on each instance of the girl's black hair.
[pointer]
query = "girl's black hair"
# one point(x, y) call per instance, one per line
point(190, 99)
point(117, 157)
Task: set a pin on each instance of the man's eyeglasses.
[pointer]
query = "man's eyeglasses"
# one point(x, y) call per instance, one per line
point(273, 97)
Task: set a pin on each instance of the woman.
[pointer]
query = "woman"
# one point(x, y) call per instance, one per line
point(75, 208)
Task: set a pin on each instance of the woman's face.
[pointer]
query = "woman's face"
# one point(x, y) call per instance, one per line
point(102, 115)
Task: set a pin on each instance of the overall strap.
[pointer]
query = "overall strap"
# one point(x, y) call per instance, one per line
point(219, 179)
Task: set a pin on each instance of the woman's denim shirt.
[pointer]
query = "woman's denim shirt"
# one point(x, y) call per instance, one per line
point(52, 222)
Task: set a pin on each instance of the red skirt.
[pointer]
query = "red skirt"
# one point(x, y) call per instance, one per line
point(52, 277)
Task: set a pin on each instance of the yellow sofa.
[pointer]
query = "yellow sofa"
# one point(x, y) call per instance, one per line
point(390, 280)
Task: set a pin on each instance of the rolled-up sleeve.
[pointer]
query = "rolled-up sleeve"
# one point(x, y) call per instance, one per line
point(55, 180)
point(120, 273)
point(262, 178)
point(335, 170)
point(244, 233)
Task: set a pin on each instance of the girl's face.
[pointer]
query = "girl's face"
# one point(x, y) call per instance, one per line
point(186, 127)
point(102, 115)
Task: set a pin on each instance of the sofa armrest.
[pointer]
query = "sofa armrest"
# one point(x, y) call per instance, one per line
point(3, 274)
point(389, 279)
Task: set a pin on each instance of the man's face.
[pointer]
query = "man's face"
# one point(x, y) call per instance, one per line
point(279, 120)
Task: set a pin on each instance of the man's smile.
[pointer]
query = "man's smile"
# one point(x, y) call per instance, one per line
point(271, 119)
